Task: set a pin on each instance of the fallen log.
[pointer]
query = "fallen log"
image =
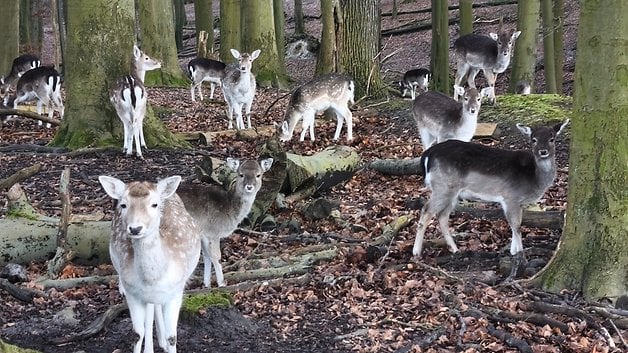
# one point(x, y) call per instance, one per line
point(31, 115)
point(19, 176)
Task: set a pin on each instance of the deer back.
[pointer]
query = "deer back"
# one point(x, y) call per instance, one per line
point(20, 65)
point(203, 68)
point(37, 83)
point(128, 92)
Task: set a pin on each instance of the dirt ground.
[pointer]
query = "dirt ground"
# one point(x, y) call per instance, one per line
point(367, 299)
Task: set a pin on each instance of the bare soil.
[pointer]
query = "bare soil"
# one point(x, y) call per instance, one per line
point(361, 301)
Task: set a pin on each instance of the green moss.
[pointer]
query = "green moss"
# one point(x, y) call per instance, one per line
point(21, 212)
point(527, 109)
point(193, 303)
point(8, 348)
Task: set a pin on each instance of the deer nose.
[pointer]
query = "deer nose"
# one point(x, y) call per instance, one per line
point(135, 230)
point(249, 188)
point(543, 153)
point(472, 110)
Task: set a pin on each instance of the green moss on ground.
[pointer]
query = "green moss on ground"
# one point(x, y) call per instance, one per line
point(527, 109)
point(8, 348)
point(195, 303)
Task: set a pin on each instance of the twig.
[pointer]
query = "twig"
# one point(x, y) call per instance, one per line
point(619, 334)
point(510, 340)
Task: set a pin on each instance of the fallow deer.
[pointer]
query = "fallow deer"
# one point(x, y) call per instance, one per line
point(20, 65)
point(239, 87)
point(203, 69)
point(413, 80)
point(128, 96)
point(154, 248)
point(455, 170)
point(218, 211)
point(331, 91)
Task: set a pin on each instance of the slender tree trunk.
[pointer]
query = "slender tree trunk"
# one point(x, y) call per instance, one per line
point(229, 29)
point(157, 39)
point(179, 21)
point(9, 34)
point(559, 10)
point(299, 25)
point(548, 46)
point(524, 59)
point(258, 32)
point(439, 60)
point(204, 21)
point(466, 17)
point(592, 257)
point(360, 55)
point(100, 48)
point(280, 31)
point(327, 56)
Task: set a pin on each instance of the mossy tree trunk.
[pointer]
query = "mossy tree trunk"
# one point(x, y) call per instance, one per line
point(439, 60)
point(593, 254)
point(204, 21)
point(359, 56)
point(524, 59)
point(466, 17)
point(229, 29)
point(157, 39)
point(548, 46)
point(559, 43)
point(327, 60)
point(258, 32)
point(100, 41)
point(280, 31)
point(9, 34)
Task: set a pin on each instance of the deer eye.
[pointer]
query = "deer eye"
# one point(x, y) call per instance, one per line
point(552, 140)
point(154, 205)
point(241, 175)
point(534, 139)
point(122, 205)
point(258, 176)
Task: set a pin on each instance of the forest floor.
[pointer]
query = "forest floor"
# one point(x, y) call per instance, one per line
point(366, 299)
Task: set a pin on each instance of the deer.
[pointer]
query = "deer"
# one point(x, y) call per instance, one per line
point(523, 87)
point(41, 84)
point(128, 97)
point(413, 79)
point(491, 54)
point(332, 91)
point(440, 118)
point(456, 169)
point(20, 65)
point(154, 248)
point(218, 211)
point(239, 86)
point(203, 69)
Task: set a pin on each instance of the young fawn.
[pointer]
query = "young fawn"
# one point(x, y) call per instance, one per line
point(218, 211)
point(413, 80)
point(439, 117)
point(491, 54)
point(239, 86)
point(128, 97)
point(154, 247)
point(455, 170)
point(42, 84)
point(202, 69)
point(331, 91)
point(20, 65)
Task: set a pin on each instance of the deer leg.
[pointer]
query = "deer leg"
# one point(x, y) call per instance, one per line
point(212, 86)
point(137, 310)
point(427, 138)
point(247, 110)
point(192, 85)
point(229, 113)
point(171, 317)
point(339, 122)
point(136, 128)
point(214, 253)
point(128, 134)
point(424, 221)
point(491, 77)
point(148, 327)
point(513, 215)
point(159, 320)
point(473, 72)
point(207, 262)
point(349, 118)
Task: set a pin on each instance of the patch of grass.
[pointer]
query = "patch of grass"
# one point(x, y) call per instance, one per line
point(195, 303)
point(527, 109)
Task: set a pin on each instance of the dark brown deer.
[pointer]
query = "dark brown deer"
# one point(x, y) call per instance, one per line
point(203, 69)
point(20, 65)
point(413, 80)
point(455, 170)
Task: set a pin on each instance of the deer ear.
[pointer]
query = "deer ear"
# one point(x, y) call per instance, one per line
point(560, 127)
point(235, 53)
point(233, 163)
point(515, 35)
point(113, 187)
point(458, 90)
point(255, 54)
point(136, 51)
point(167, 187)
point(266, 164)
point(526, 130)
point(493, 36)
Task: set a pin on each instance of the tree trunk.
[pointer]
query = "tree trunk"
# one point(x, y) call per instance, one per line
point(439, 61)
point(258, 32)
point(592, 257)
point(548, 46)
point(9, 35)
point(559, 10)
point(100, 48)
point(327, 60)
point(204, 21)
point(157, 39)
point(280, 32)
point(180, 21)
point(229, 29)
point(524, 59)
point(359, 56)
point(466, 17)
point(299, 26)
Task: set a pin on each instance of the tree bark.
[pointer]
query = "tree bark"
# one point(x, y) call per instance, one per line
point(439, 60)
point(280, 33)
point(204, 21)
point(559, 43)
point(360, 53)
point(299, 26)
point(99, 48)
point(327, 60)
point(229, 29)
point(180, 21)
point(466, 17)
point(524, 59)
point(548, 46)
point(592, 257)
point(9, 35)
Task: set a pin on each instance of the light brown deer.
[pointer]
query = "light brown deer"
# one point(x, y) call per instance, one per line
point(239, 87)
point(154, 247)
point(455, 170)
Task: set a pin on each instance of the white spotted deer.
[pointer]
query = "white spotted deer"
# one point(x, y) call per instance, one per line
point(154, 247)
point(491, 54)
point(128, 96)
point(455, 170)
point(440, 117)
point(20, 65)
point(218, 211)
point(413, 80)
point(203, 69)
point(41, 84)
point(331, 91)
point(239, 87)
